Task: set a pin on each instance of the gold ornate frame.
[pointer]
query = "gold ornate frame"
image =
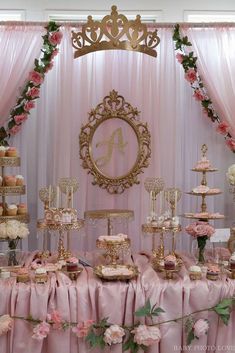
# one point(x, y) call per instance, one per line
point(114, 106)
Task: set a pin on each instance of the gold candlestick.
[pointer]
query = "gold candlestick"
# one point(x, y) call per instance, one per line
point(153, 186)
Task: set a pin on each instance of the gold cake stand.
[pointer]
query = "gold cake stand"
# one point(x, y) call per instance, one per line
point(109, 214)
point(61, 228)
point(113, 248)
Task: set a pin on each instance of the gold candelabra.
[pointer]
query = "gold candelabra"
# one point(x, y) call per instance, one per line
point(153, 186)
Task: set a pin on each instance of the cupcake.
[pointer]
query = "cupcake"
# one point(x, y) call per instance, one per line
point(23, 275)
point(10, 180)
point(12, 210)
point(232, 262)
point(212, 272)
point(19, 180)
point(11, 152)
point(40, 275)
point(22, 209)
point(2, 151)
point(170, 262)
point(72, 264)
point(195, 273)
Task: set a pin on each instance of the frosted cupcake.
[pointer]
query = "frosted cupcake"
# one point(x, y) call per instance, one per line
point(19, 180)
point(2, 151)
point(212, 272)
point(11, 152)
point(72, 264)
point(22, 209)
point(170, 262)
point(40, 275)
point(10, 180)
point(12, 210)
point(195, 273)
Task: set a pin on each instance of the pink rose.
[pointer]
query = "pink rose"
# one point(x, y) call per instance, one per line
point(6, 323)
point(231, 144)
point(82, 329)
point(29, 105)
point(223, 128)
point(179, 57)
point(114, 334)
point(55, 319)
point(54, 53)
point(36, 77)
point(200, 327)
point(146, 335)
point(41, 331)
point(199, 229)
point(20, 118)
point(14, 130)
point(190, 75)
point(49, 67)
point(55, 37)
point(198, 95)
point(33, 92)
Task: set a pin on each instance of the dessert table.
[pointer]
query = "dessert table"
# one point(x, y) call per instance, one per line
point(91, 298)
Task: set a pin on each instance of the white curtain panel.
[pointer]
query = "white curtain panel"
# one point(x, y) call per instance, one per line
point(49, 144)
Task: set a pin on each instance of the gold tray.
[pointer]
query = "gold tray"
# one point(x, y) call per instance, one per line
point(149, 228)
point(98, 271)
point(205, 170)
point(9, 161)
point(22, 218)
point(191, 216)
point(112, 213)
point(41, 224)
point(12, 190)
point(204, 193)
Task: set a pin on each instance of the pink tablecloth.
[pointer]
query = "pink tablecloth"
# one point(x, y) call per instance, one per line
point(90, 298)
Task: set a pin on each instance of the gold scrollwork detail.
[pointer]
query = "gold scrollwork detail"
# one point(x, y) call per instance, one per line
point(114, 106)
point(115, 31)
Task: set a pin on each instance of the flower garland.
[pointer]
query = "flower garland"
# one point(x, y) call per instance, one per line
point(133, 338)
point(31, 90)
point(188, 62)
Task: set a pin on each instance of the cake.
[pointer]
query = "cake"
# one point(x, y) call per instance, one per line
point(170, 262)
point(40, 275)
point(60, 215)
point(113, 238)
point(12, 210)
point(72, 264)
point(9, 180)
point(22, 209)
point(22, 275)
point(203, 164)
point(232, 262)
point(2, 151)
point(19, 180)
point(212, 272)
point(11, 152)
point(195, 272)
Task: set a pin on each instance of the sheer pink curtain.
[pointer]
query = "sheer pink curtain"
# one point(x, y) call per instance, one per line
point(19, 46)
point(215, 51)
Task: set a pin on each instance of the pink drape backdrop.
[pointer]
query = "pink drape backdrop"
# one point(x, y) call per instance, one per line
point(49, 144)
point(216, 65)
point(19, 46)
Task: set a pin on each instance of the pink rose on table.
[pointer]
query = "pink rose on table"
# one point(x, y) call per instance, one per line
point(55, 38)
point(190, 75)
point(198, 95)
point(41, 331)
point(33, 92)
point(20, 118)
point(82, 329)
point(114, 334)
point(179, 57)
point(14, 130)
point(36, 77)
point(29, 105)
point(223, 128)
point(146, 335)
point(231, 144)
point(6, 323)
point(200, 328)
point(56, 319)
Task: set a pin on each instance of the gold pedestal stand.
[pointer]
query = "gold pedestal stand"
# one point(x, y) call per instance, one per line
point(113, 249)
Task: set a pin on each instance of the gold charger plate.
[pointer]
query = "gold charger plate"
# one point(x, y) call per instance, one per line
point(98, 270)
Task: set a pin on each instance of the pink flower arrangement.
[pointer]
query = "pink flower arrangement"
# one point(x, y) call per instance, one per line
point(20, 118)
point(200, 229)
point(49, 67)
point(82, 329)
point(55, 319)
point(55, 37)
point(29, 105)
point(198, 95)
point(179, 57)
point(114, 334)
point(231, 144)
point(6, 324)
point(41, 331)
point(223, 128)
point(36, 77)
point(146, 335)
point(54, 53)
point(200, 328)
point(14, 130)
point(191, 75)
point(33, 92)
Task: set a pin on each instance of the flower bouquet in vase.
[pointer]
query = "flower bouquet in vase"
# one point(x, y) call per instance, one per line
point(201, 231)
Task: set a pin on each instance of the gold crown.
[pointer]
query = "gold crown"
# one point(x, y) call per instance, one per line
point(109, 32)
